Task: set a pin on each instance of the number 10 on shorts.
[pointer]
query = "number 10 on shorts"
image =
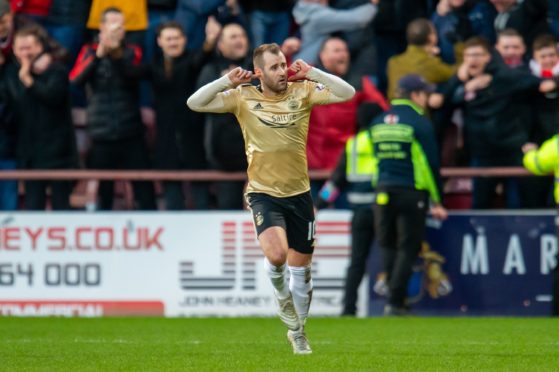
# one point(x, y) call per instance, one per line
point(312, 230)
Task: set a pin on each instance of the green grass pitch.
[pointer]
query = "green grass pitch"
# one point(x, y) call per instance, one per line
point(259, 344)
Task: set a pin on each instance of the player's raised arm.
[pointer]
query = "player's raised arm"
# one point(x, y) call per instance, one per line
point(212, 98)
point(339, 90)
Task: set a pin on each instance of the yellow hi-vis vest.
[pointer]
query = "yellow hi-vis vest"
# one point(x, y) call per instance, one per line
point(545, 160)
point(361, 169)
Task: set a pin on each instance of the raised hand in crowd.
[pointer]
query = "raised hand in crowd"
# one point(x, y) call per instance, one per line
point(290, 46)
point(213, 29)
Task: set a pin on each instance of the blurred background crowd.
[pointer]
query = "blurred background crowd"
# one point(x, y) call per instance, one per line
point(102, 84)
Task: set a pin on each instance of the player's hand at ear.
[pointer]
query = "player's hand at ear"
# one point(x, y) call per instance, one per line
point(300, 69)
point(240, 76)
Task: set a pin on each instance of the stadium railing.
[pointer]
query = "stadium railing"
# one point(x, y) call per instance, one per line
point(90, 178)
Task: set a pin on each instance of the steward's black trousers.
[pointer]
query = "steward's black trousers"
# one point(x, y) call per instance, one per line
point(362, 235)
point(399, 226)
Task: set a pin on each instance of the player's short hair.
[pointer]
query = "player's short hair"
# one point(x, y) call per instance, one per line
point(169, 24)
point(111, 9)
point(510, 32)
point(258, 54)
point(477, 41)
point(544, 41)
point(418, 31)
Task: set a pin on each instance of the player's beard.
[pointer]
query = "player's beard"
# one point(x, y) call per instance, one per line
point(276, 86)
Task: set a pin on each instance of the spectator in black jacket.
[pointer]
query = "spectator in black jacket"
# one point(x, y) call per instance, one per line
point(224, 139)
point(528, 17)
point(36, 89)
point(113, 116)
point(495, 122)
point(180, 131)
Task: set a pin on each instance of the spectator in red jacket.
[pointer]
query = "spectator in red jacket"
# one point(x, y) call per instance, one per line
point(332, 125)
point(34, 9)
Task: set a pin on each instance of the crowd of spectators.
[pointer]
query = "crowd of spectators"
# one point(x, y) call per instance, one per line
point(128, 66)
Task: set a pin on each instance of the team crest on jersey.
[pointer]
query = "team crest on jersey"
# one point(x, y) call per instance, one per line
point(391, 119)
point(293, 104)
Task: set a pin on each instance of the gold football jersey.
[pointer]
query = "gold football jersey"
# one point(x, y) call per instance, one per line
point(275, 131)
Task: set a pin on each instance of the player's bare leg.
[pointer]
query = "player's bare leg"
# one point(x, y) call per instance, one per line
point(274, 245)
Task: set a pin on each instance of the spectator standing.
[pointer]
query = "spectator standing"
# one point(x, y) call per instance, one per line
point(528, 17)
point(113, 116)
point(6, 30)
point(8, 189)
point(356, 172)
point(159, 12)
point(419, 58)
point(193, 16)
point(495, 125)
point(458, 20)
point(390, 29)
point(318, 21)
point(225, 145)
point(180, 133)
point(135, 14)
point(512, 49)
point(408, 176)
point(37, 90)
point(545, 64)
point(269, 20)
point(332, 125)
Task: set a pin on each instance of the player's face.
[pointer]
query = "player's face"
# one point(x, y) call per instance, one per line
point(335, 57)
point(476, 58)
point(547, 57)
point(274, 72)
point(172, 41)
point(511, 48)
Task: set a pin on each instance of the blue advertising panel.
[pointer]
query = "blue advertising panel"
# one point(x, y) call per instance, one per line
point(484, 263)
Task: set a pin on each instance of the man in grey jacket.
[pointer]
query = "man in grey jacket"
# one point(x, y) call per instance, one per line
point(318, 21)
